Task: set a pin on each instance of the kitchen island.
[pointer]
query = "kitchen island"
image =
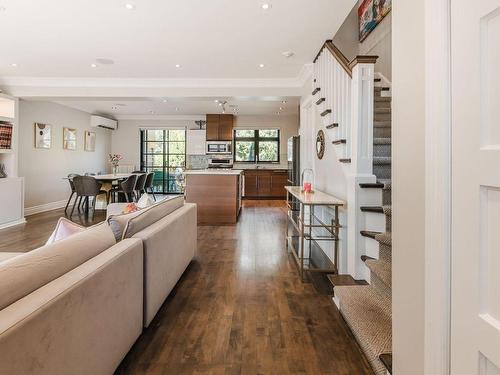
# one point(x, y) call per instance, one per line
point(217, 194)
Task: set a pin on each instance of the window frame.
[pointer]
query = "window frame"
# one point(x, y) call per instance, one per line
point(256, 139)
point(165, 156)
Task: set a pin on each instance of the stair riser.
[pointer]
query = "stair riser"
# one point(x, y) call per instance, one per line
point(381, 132)
point(374, 221)
point(371, 247)
point(381, 150)
point(382, 105)
point(382, 117)
point(382, 171)
point(380, 285)
point(386, 197)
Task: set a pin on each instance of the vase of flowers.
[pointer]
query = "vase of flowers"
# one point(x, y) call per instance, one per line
point(114, 160)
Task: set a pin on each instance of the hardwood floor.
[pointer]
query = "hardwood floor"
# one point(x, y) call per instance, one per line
point(240, 307)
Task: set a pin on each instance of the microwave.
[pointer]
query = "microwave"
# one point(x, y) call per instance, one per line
point(219, 147)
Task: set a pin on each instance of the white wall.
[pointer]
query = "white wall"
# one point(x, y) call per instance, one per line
point(126, 140)
point(408, 187)
point(378, 42)
point(44, 170)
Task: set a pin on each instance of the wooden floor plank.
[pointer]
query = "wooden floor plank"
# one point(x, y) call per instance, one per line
point(240, 307)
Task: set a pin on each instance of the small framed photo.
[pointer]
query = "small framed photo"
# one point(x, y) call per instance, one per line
point(43, 135)
point(69, 139)
point(90, 141)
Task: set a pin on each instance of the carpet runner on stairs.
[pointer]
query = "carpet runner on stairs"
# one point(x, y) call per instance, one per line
point(367, 308)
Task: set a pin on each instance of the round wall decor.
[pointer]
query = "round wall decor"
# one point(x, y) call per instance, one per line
point(320, 144)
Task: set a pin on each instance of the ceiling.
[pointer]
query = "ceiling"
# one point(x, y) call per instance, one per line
point(216, 39)
point(122, 108)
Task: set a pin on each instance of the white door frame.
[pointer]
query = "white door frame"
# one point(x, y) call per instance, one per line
point(437, 187)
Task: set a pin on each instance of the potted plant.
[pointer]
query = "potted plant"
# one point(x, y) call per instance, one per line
point(114, 160)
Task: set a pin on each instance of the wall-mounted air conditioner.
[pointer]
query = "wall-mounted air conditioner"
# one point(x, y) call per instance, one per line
point(103, 122)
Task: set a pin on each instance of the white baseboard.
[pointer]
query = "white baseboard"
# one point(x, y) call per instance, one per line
point(13, 223)
point(44, 207)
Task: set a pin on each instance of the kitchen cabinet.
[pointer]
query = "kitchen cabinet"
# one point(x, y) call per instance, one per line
point(219, 127)
point(265, 183)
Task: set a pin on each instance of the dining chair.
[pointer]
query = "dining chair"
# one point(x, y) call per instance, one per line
point(138, 172)
point(140, 185)
point(73, 191)
point(148, 188)
point(87, 187)
point(125, 187)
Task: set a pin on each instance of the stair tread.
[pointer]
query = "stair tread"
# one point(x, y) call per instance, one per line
point(343, 280)
point(385, 238)
point(371, 185)
point(377, 209)
point(382, 123)
point(386, 359)
point(339, 141)
point(381, 88)
point(317, 89)
point(368, 314)
point(369, 233)
point(383, 98)
point(331, 126)
point(326, 112)
point(381, 160)
point(385, 110)
point(321, 100)
point(382, 141)
point(345, 160)
point(382, 269)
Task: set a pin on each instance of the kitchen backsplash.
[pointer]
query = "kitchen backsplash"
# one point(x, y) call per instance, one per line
point(197, 162)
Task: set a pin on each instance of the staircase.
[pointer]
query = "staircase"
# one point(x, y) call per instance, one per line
point(367, 308)
point(354, 108)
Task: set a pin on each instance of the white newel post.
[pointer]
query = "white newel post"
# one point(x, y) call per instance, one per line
point(361, 153)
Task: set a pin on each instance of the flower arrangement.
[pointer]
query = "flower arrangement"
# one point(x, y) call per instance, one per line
point(114, 160)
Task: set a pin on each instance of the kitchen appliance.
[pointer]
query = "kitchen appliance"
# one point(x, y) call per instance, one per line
point(220, 161)
point(293, 149)
point(219, 148)
point(294, 161)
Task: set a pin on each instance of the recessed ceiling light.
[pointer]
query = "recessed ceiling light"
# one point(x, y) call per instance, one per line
point(14, 65)
point(281, 108)
point(114, 107)
point(266, 6)
point(287, 54)
point(104, 61)
point(216, 100)
point(130, 6)
point(261, 65)
point(164, 100)
point(177, 66)
point(93, 65)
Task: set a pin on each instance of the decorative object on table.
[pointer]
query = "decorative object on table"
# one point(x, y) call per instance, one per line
point(69, 139)
point(89, 141)
point(3, 174)
point(370, 14)
point(5, 135)
point(307, 181)
point(320, 144)
point(43, 135)
point(114, 160)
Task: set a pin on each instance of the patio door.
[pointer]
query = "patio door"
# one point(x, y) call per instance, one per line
point(163, 151)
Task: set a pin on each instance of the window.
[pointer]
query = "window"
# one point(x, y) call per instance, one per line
point(261, 146)
point(164, 153)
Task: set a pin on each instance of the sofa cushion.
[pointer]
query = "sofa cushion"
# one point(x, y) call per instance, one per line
point(6, 256)
point(21, 275)
point(118, 221)
point(64, 229)
point(151, 215)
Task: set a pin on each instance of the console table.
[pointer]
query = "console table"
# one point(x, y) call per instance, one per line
point(308, 224)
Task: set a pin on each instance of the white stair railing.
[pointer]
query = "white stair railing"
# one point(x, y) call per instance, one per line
point(348, 90)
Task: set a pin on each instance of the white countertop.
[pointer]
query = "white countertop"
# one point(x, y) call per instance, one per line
point(316, 198)
point(214, 171)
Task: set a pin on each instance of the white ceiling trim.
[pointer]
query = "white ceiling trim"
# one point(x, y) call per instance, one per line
point(160, 117)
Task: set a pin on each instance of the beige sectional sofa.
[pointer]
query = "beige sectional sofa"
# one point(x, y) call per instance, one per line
point(77, 306)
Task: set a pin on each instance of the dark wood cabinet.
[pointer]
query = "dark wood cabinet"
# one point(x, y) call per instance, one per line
point(219, 127)
point(265, 183)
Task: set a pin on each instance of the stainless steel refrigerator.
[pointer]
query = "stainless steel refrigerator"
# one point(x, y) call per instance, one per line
point(294, 161)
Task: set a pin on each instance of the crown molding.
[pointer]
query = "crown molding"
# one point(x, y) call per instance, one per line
point(160, 117)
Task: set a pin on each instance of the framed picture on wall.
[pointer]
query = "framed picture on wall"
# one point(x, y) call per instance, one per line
point(89, 141)
point(43, 135)
point(69, 139)
point(370, 14)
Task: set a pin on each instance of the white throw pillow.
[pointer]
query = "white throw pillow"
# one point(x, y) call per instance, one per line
point(64, 229)
point(145, 201)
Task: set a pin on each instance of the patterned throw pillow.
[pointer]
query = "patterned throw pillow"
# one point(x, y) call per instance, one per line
point(130, 207)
